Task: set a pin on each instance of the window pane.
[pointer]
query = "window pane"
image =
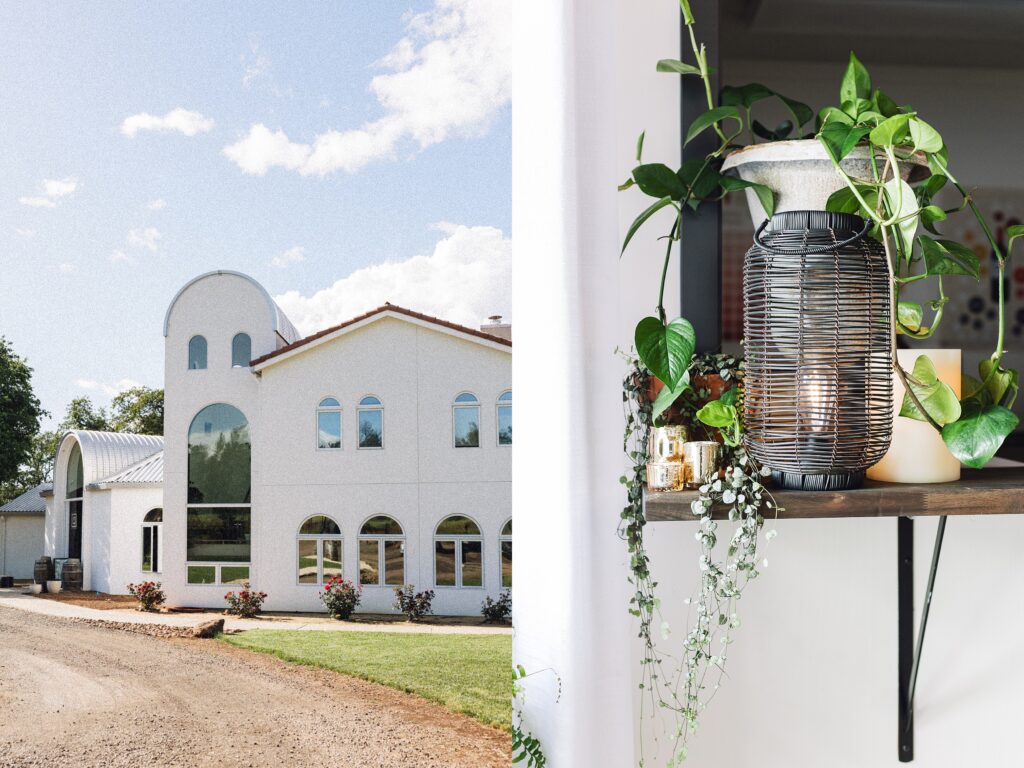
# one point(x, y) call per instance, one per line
point(369, 562)
point(197, 353)
point(472, 564)
point(369, 400)
point(156, 547)
point(219, 456)
point(329, 402)
point(394, 563)
point(73, 488)
point(371, 429)
point(465, 397)
point(202, 574)
point(504, 425)
point(457, 525)
point(328, 429)
point(234, 574)
point(319, 525)
point(154, 516)
point(444, 563)
point(381, 525)
point(506, 396)
point(307, 561)
point(467, 427)
point(506, 563)
point(507, 530)
point(241, 351)
point(332, 558)
point(218, 534)
point(147, 549)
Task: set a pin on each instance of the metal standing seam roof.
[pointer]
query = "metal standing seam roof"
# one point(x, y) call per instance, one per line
point(107, 453)
point(149, 470)
point(30, 502)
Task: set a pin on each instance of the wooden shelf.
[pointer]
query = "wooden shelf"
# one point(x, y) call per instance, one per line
point(978, 492)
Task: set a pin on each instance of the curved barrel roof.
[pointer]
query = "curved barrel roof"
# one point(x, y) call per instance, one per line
point(107, 453)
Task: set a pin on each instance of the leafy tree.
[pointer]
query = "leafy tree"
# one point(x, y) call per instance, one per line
point(20, 412)
point(139, 410)
point(82, 414)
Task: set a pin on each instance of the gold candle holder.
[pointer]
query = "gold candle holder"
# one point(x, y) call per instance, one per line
point(665, 458)
point(701, 458)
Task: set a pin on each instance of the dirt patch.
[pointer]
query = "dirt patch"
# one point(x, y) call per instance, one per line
point(98, 600)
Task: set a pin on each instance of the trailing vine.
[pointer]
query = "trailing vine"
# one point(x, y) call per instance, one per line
point(526, 748)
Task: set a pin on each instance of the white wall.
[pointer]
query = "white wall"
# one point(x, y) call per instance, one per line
point(21, 543)
point(126, 508)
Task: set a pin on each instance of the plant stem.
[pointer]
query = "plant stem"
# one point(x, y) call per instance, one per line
point(664, 267)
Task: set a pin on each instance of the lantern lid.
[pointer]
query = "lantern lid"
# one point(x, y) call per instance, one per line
point(802, 221)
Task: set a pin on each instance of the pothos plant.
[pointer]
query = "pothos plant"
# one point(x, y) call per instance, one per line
point(975, 426)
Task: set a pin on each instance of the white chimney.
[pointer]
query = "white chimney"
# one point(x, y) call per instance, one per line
point(495, 327)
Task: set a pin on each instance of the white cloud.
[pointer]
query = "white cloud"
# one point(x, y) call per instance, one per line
point(120, 257)
point(450, 75)
point(467, 278)
point(67, 268)
point(52, 191)
point(180, 120)
point(157, 205)
point(256, 67)
point(24, 232)
point(293, 255)
point(109, 390)
point(144, 238)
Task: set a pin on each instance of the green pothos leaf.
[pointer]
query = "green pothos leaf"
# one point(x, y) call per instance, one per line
point(1012, 233)
point(903, 203)
point(910, 315)
point(937, 397)
point(948, 257)
point(1001, 384)
point(717, 414)
point(856, 83)
point(644, 216)
point(709, 118)
point(666, 350)
point(677, 67)
point(979, 432)
point(764, 194)
point(667, 396)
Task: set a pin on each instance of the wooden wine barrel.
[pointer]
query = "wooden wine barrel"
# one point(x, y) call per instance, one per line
point(43, 570)
point(72, 574)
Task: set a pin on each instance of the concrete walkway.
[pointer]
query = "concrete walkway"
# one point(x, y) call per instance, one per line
point(17, 599)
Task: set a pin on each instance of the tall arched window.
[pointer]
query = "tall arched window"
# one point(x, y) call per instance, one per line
point(466, 420)
point(382, 552)
point(505, 418)
point(328, 425)
point(241, 350)
point(74, 489)
point(218, 542)
point(151, 525)
point(320, 549)
point(505, 540)
point(197, 353)
point(371, 422)
point(458, 553)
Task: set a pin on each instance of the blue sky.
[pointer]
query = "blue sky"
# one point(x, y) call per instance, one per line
point(342, 153)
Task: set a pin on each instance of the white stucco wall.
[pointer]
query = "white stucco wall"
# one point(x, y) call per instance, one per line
point(123, 510)
point(21, 541)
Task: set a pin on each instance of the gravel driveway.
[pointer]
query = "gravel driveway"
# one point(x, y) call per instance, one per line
point(83, 696)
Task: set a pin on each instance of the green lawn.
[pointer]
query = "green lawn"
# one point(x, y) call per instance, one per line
point(465, 673)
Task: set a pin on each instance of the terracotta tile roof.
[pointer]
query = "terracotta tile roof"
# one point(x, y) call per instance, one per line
point(387, 307)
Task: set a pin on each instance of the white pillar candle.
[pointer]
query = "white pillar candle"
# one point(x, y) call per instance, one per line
point(917, 453)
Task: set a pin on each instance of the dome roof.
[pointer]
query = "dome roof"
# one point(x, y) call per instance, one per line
point(108, 453)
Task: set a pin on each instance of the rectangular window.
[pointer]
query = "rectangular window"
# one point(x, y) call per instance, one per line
point(147, 549)
point(371, 429)
point(472, 564)
point(444, 563)
point(328, 428)
point(369, 562)
point(467, 426)
point(202, 574)
point(234, 574)
point(332, 558)
point(394, 563)
point(506, 563)
point(504, 425)
point(307, 561)
point(218, 534)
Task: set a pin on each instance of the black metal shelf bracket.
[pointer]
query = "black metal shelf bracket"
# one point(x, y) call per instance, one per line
point(909, 652)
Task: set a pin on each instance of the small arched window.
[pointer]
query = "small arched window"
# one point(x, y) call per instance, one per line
point(151, 525)
point(505, 418)
point(466, 420)
point(197, 353)
point(328, 425)
point(371, 422)
point(458, 553)
point(320, 547)
point(241, 350)
point(505, 540)
point(382, 552)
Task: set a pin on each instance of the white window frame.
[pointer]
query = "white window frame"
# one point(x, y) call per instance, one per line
point(319, 538)
point(359, 410)
point(218, 580)
point(456, 406)
point(457, 539)
point(233, 338)
point(502, 539)
point(157, 529)
point(499, 404)
point(206, 355)
point(339, 409)
point(381, 565)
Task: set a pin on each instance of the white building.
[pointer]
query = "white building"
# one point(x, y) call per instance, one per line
point(21, 532)
point(379, 449)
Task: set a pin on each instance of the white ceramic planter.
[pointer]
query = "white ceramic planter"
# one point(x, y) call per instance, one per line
point(801, 174)
point(53, 587)
point(917, 453)
point(35, 589)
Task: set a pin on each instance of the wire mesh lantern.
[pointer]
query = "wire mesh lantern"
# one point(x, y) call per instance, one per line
point(817, 325)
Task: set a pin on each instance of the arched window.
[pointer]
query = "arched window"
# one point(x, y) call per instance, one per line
point(151, 525)
point(505, 418)
point(371, 422)
point(505, 540)
point(197, 353)
point(382, 552)
point(466, 420)
point(458, 553)
point(328, 425)
point(241, 350)
point(319, 550)
point(218, 542)
point(74, 488)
